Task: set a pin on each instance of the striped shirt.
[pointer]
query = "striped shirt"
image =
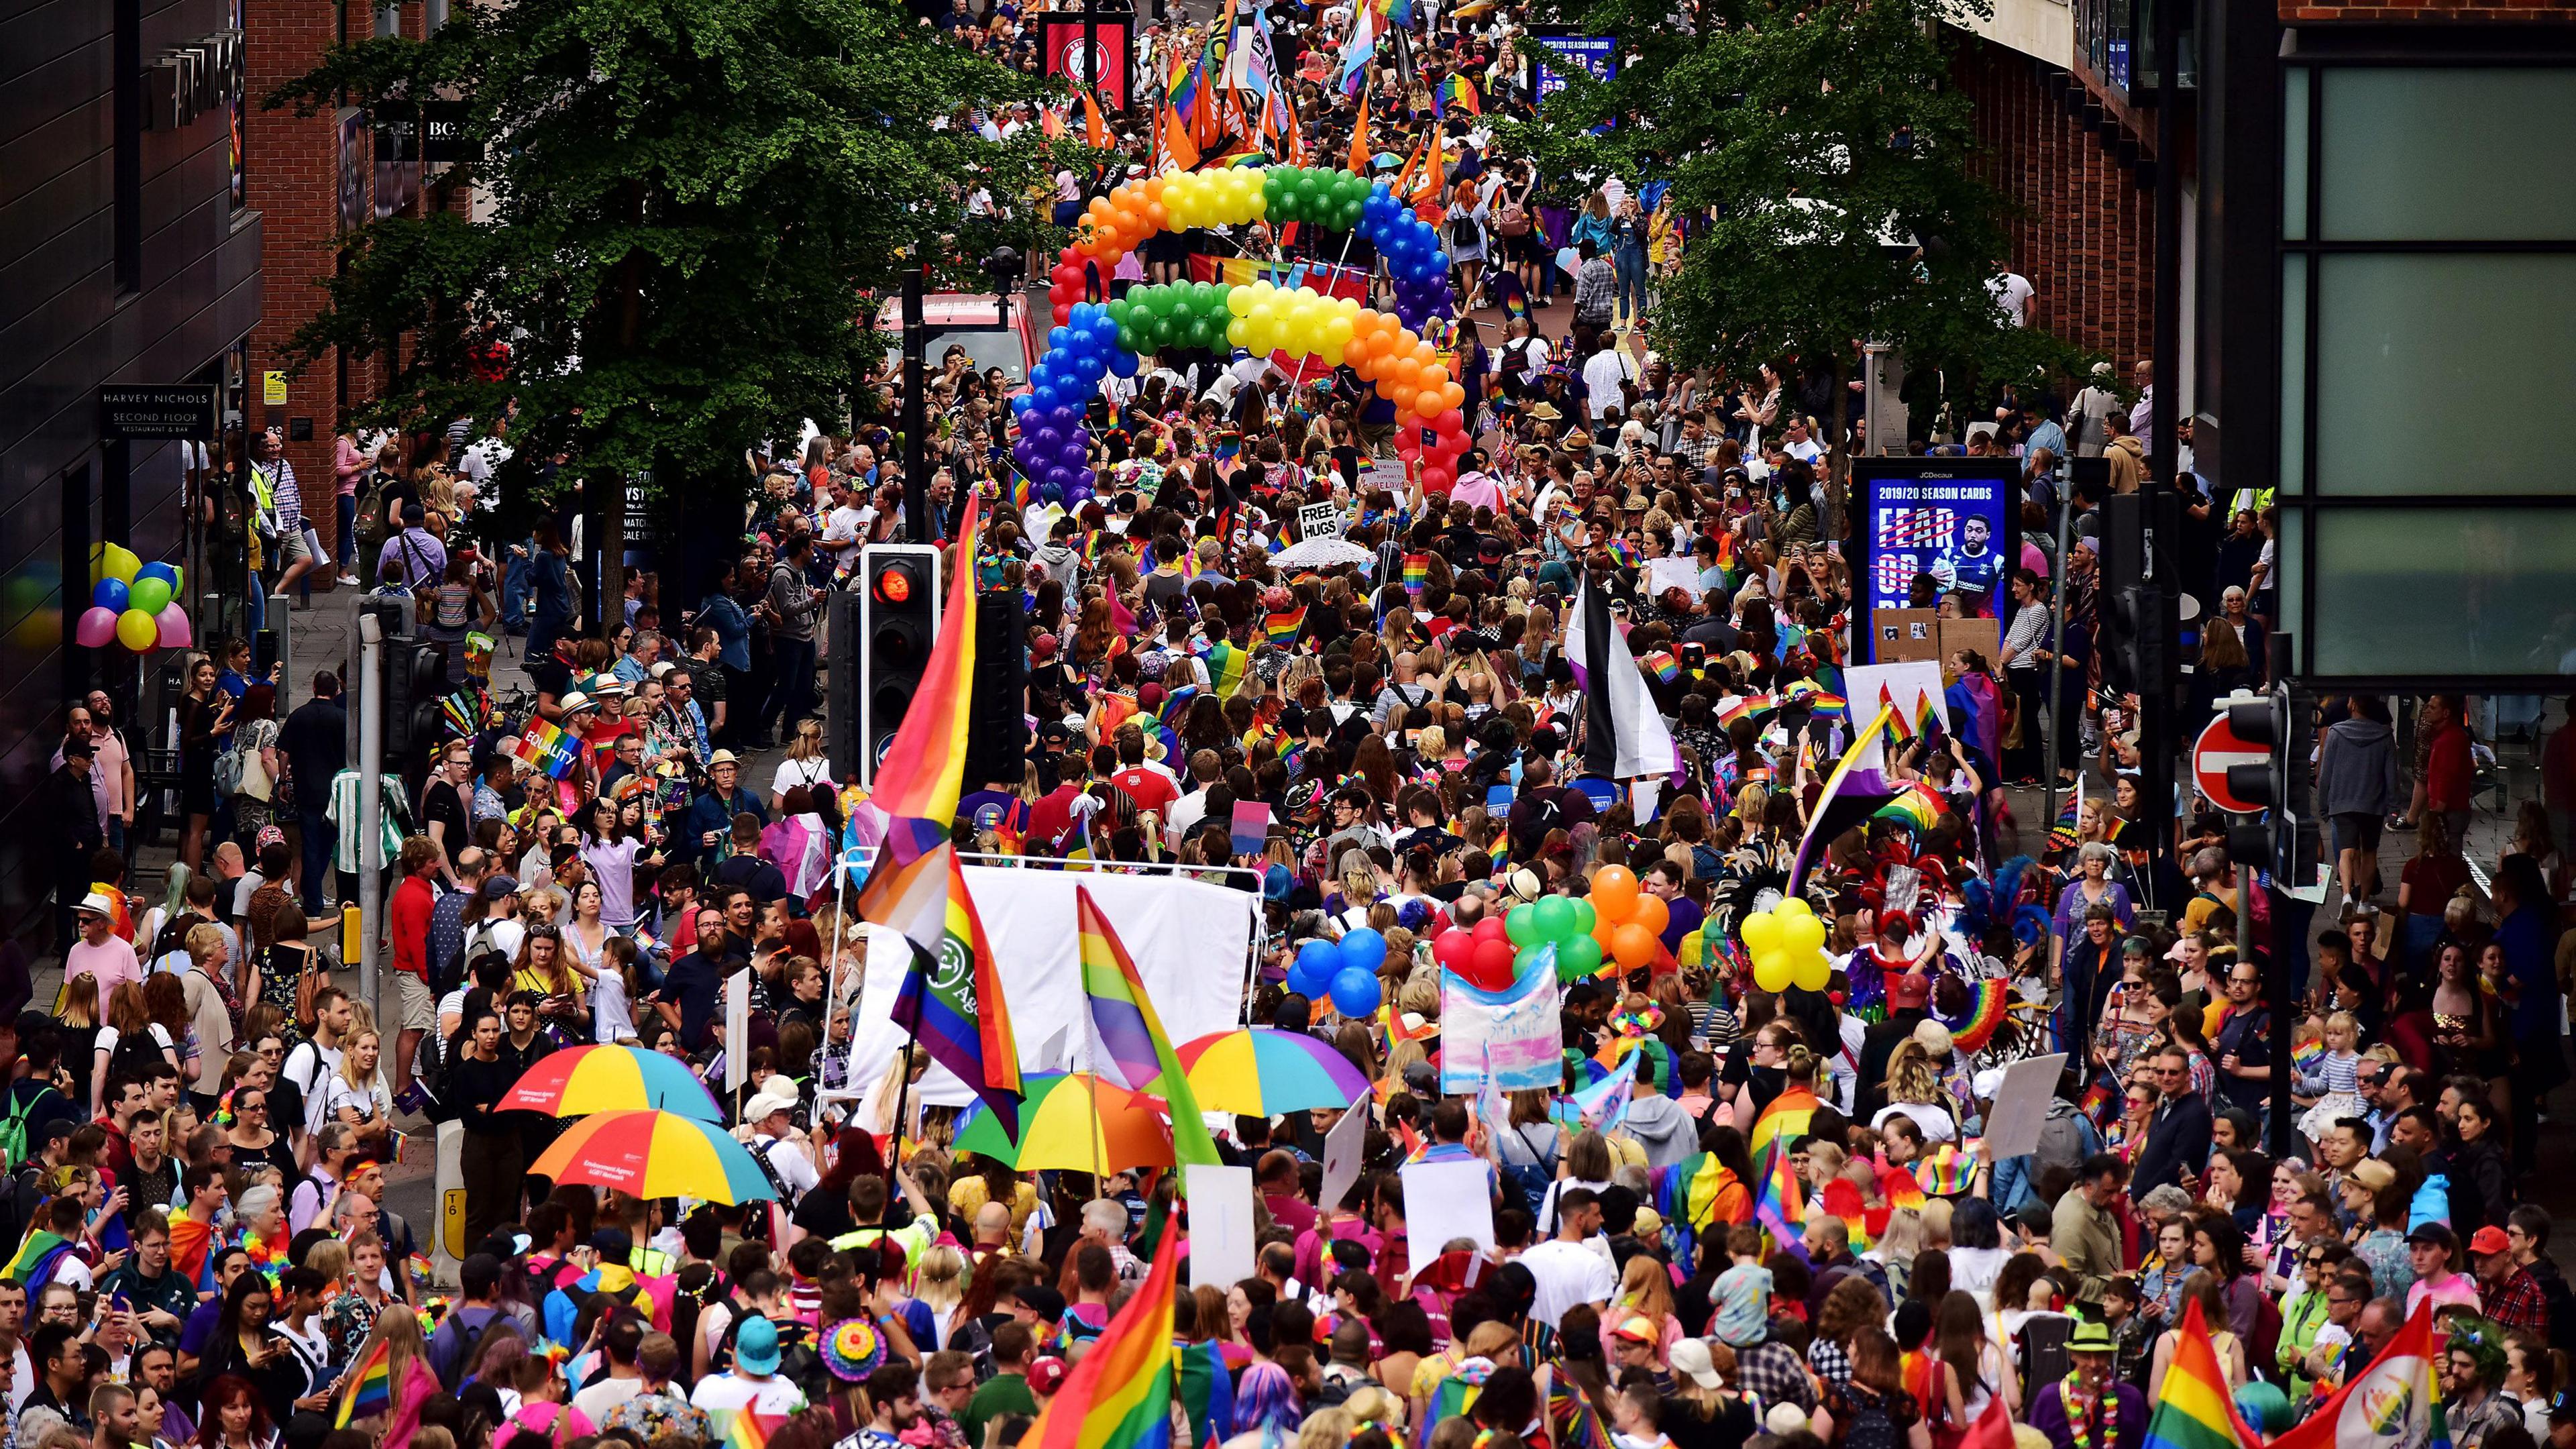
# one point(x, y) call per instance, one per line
point(284, 496)
point(345, 805)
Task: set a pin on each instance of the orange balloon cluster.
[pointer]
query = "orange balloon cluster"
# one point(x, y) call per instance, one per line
point(1112, 225)
point(1385, 351)
point(1625, 919)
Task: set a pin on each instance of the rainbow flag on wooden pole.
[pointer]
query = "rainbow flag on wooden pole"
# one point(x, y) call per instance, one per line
point(1120, 1395)
point(370, 1389)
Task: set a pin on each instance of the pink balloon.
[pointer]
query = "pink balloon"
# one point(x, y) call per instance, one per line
point(97, 628)
point(176, 631)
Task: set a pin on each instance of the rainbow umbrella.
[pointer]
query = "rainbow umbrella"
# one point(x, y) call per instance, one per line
point(1059, 1128)
point(654, 1154)
point(588, 1079)
point(1259, 1071)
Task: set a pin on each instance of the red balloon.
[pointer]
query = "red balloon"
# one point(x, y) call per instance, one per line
point(1436, 479)
point(1455, 950)
point(1490, 929)
point(1451, 424)
point(1493, 965)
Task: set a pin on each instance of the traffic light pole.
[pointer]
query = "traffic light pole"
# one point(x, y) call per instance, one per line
point(2156, 744)
point(371, 803)
point(916, 447)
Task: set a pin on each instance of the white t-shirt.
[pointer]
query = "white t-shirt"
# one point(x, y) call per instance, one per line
point(612, 1015)
point(1602, 374)
point(791, 1164)
point(244, 889)
point(2012, 292)
point(793, 773)
point(845, 531)
point(1534, 359)
point(595, 1401)
point(109, 1036)
point(772, 1395)
point(1567, 1274)
point(314, 1085)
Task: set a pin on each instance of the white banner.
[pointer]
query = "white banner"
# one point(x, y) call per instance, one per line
point(1190, 942)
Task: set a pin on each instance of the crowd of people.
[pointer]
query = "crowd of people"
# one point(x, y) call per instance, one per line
point(199, 1131)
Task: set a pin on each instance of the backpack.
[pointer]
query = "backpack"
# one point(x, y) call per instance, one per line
point(228, 773)
point(1867, 1425)
point(13, 1128)
point(1512, 220)
point(136, 1052)
point(372, 531)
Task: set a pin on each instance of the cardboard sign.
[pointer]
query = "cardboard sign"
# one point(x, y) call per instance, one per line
point(1319, 520)
point(1983, 635)
point(1904, 635)
point(1906, 685)
point(2021, 1106)
point(1221, 1231)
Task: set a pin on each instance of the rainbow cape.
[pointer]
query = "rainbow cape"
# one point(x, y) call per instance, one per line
point(1456, 90)
point(1227, 667)
point(37, 1258)
point(1989, 1001)
point(1695, 1195)
point(1783, 1122)
point(370, 1389)
point(1120, 1394)
point(1132, 1048)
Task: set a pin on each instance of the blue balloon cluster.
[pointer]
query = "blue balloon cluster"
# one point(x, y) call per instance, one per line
point(1054, 446)
point(1414, 260)
point(1344, 971)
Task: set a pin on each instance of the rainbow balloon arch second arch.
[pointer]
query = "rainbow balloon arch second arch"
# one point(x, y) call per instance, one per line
point(1093, 338)
point(1053, 449)
point(1119, 222)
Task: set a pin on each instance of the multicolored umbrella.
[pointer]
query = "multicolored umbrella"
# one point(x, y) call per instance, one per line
point(655, 1154)
point(1060, 1129)
point(1260, 1071)
point(590, 1079)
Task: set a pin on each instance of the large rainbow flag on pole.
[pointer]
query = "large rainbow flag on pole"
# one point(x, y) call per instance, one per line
point(1120, 1395)
point(1131, 1048)
point(2194, 1410)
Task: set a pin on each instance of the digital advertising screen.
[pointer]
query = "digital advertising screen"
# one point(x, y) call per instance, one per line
point(1949, 518)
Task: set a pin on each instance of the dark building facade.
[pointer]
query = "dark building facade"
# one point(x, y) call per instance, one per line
point(128, 255)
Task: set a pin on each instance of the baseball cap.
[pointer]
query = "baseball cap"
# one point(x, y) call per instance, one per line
point(1047, 1375)
point(1635, 1330)
point(1691, 1359)
point(1909, 989)
point(755, 1345)
point(2434, 1234)
point(79, 750)
point(2489, 1239)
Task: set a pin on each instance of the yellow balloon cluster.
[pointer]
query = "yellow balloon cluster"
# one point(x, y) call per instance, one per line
point(1787, 944)
point(1230, 197)
point(1302, 323)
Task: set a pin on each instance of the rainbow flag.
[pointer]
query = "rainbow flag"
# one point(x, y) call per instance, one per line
point(1282, 628)
point(1454, 1395)
point(1898, 725)
point(1787, 1119)
point(1227, 666)
point(1927, 720)
point(1622, 552)
point(1661, 665)
point(370, 1390)
point(925, 768)
point(1130, 1043)
point(1918, 805)
point(1417, 574)
point(959, 1016)
point(1744, 706)
point(37, 1258)
point(1456, 90)
point(750, 1429)
point(1177, 703)
point(1570, 1413)
point(1206, 1390)
point(2194, 1409)
point(2307, 1054)
point(1989, 1001)
point(2070, 820)
point(1116, 708)
point(1119, 1395)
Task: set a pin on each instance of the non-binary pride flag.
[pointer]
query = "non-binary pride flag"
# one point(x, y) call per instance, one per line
point(2194, 1410)
point(1120, 1395)
point(1133, 1049)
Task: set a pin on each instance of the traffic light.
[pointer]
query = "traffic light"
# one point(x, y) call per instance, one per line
point(2141, 608)
point(415, 681)
point(2285, 843)
point(898, 622)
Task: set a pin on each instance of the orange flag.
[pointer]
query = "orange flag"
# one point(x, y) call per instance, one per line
point(1177, 141)
point(1360, 141)
point(1412, 165)
point(1095, 130)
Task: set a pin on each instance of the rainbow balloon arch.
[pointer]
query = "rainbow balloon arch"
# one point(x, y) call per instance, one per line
point(1092, 338)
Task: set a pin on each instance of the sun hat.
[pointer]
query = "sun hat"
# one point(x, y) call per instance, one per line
point(853, 1350)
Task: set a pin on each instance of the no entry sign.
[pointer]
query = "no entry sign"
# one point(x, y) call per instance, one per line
point(2217, 748)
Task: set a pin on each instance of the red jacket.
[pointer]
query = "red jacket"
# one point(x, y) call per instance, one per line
point(412, 902)
point(2449, 774)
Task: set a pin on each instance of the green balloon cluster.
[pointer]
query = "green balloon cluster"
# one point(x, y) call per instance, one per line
point(1177, 314)
point(1329, 199)
point(1562, 922)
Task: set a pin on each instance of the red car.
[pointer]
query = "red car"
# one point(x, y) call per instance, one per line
point(973, 321)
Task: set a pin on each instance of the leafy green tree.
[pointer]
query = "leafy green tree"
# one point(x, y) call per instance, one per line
point(1834, 164)
point(682, 214)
